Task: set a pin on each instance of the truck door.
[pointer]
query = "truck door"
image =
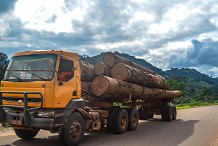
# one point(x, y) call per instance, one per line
point(67, 84)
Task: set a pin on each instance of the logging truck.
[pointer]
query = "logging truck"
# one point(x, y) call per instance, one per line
point(54, 90)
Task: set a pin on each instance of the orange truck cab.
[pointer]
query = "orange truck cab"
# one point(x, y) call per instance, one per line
point(40, 90)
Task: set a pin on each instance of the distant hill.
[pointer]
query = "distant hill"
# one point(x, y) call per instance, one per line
point(190, 73)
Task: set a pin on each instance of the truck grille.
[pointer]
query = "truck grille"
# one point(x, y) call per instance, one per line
point(11, 99)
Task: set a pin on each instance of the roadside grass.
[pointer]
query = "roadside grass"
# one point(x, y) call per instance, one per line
point(195, 104)
point(1, 128)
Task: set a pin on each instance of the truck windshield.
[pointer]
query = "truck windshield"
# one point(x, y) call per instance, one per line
point(37, 67)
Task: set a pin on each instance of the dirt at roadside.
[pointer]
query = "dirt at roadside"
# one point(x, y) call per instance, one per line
point(6, 131)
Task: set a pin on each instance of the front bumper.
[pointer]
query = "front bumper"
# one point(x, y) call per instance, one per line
point(17, 119)
point(23, 116)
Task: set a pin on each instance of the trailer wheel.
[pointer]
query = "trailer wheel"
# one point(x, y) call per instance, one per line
point(174, 113)
point(133, 119)
point(26, 134)
point(167, 113)
point(120, 122)
point(74, 129)
point(110, 118)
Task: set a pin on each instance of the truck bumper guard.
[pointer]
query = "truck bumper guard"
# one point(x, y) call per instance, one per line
point(23, 118)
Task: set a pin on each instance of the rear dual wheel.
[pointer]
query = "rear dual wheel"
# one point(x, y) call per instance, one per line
point(133, 119)
point(120, 120)
point(168, 113)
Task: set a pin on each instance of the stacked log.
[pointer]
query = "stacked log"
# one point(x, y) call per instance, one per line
point(104, 86)
point(130, 74)
point(87, 71)
point(101, 69)
point(110, 59)
point(118, 78)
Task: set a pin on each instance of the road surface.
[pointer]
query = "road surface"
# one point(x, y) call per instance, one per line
point(194, 127)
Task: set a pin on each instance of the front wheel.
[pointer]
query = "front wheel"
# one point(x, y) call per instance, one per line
point(74, 130)
point(26, 134)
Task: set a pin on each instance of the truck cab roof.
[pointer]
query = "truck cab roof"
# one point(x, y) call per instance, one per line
point(58, 52)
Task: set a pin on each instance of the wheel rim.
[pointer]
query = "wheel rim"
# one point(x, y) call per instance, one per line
point(123, 121)
point(75, 129)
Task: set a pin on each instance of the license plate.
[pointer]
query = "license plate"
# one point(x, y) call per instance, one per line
point(16, 122)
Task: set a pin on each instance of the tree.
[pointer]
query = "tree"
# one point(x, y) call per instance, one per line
point(3, 57)
point(3, 62)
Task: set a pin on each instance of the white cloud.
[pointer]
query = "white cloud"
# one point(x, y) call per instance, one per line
point(159, 31)
point(37, 13)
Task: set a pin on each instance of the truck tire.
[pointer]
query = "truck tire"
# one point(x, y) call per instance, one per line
point(174, 113)
point(74, 129)
point(120, 122)
point(26, 134)
point(167, 113)
point(110, 118)
point(133, 119)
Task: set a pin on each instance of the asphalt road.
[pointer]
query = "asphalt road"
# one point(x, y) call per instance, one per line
point(193, 127)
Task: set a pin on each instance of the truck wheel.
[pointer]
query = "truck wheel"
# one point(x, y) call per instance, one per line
point(120, 121)
point(74, 129)
point(133, 119)
point(167, 113)
point(110, 118)
point(174, 113)
point(26, 134)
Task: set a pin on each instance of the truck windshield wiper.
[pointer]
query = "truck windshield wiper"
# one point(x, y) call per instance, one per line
point(14, 75)
point(44, 79)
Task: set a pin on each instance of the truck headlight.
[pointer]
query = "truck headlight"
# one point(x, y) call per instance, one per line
point(45, 114)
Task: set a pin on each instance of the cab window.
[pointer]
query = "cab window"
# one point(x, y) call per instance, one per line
point(66, 70)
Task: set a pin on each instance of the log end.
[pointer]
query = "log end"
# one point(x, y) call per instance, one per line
point(99, 68)
point(100, 85)
point(109, 59)
point(119, 71)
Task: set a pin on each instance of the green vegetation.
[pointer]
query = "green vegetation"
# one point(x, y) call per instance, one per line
point(195, 92)
point(195, 104)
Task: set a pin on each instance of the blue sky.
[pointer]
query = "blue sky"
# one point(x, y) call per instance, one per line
point(166, 33)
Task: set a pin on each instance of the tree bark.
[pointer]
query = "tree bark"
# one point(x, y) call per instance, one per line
point(110, 59)
point(104, 86)
point(109, 87)
point(101, 69)
point(130, 74)
point(87, 71)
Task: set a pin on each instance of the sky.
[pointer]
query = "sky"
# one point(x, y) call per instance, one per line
point(166, 33)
